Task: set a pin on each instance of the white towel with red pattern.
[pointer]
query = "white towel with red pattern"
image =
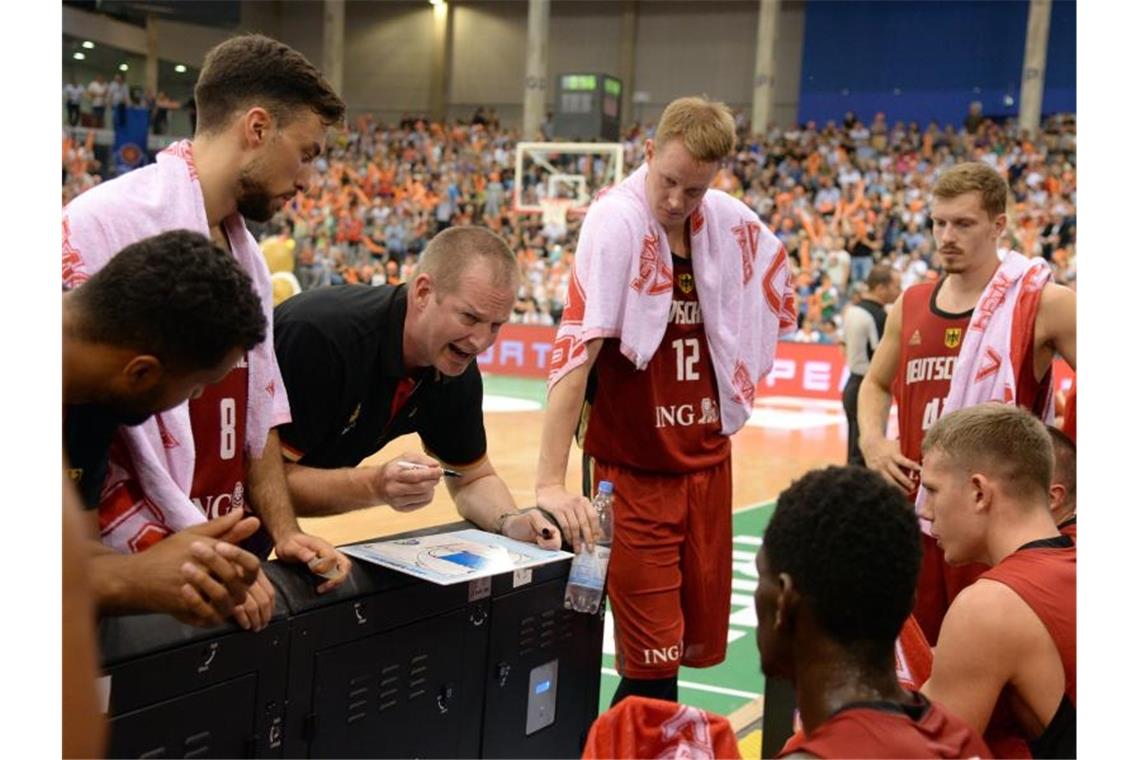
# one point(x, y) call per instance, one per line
point(157, 198)
point(622, 287)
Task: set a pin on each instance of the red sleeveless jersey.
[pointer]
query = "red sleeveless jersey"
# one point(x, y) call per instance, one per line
point(217, 418)
point(885, 729)
point(1044, 575)
point(665, 418)
point(929, 342)
point(913, 662)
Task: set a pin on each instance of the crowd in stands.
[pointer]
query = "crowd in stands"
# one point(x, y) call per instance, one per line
point(841, 197)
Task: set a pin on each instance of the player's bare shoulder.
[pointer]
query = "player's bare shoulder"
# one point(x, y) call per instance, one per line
point(1057, 300)
point(991, 615)
point(1056, 324)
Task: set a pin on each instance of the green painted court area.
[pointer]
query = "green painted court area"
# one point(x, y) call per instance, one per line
point(736, 681)
point(526, 388)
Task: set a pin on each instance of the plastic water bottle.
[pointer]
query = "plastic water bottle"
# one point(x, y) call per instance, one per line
point(588, 570)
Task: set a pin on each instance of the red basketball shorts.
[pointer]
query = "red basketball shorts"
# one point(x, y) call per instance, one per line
point(670, 574)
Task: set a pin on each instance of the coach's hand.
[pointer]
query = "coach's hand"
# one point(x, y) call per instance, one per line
point(576, 517)
point(531, 526)
point(884, 457)
point(303, 548)
point(407, 482)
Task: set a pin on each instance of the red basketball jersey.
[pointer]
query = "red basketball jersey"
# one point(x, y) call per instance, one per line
point(882, 730)
point(217, 418)
point(930, 340)
point(913, 662)
point(1045, 577)
point(665, 418)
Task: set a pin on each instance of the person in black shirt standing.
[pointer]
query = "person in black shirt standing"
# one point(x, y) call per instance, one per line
point(861, 333)
point(364, 365)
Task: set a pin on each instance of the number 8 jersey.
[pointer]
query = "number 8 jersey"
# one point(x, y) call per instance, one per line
point(218, 420)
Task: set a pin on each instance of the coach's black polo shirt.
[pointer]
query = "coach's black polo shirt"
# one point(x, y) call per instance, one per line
point(341, 353)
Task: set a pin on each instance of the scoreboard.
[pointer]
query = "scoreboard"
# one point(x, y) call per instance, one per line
point(587, 107)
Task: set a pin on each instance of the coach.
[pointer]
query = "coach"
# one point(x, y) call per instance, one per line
point(364, 365)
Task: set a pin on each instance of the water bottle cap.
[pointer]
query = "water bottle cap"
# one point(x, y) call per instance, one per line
point(605, 486)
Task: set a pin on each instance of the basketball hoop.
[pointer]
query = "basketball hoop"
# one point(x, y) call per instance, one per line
point(554, 210)
point(564, 177)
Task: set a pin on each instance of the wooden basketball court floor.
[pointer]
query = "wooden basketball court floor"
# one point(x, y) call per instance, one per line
point(784, 439)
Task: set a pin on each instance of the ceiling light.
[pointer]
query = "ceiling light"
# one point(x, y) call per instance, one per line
point(78, 56)
point(88, 44)
point(123, 67)
point(180, 69)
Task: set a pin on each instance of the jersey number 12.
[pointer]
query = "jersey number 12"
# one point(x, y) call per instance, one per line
point(688, 354)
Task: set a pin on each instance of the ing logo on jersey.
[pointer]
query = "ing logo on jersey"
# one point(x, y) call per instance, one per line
point(953, 337)
point(915, 339)
point(685, 283)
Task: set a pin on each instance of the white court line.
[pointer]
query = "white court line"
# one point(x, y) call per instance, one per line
point(748, 540)
point(799, 403)
point(700, 687)
point(495, 403)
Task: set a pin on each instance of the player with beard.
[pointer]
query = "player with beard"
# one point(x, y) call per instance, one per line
point(263, 111)
point(134, 343)
point(923, 340)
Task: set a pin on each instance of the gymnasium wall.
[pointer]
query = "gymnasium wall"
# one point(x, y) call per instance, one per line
point(682, 48)
point(920, 60)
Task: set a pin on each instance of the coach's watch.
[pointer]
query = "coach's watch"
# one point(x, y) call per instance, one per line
point(501, 520)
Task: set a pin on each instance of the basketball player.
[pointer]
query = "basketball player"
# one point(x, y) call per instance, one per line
point(263, 110)
point(135, 343)
point(1006, 662)
point(1006, 311)
point(668, 372)
point(835, 582)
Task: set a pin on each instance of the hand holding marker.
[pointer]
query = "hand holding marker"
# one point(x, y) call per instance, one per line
point(417, 466)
